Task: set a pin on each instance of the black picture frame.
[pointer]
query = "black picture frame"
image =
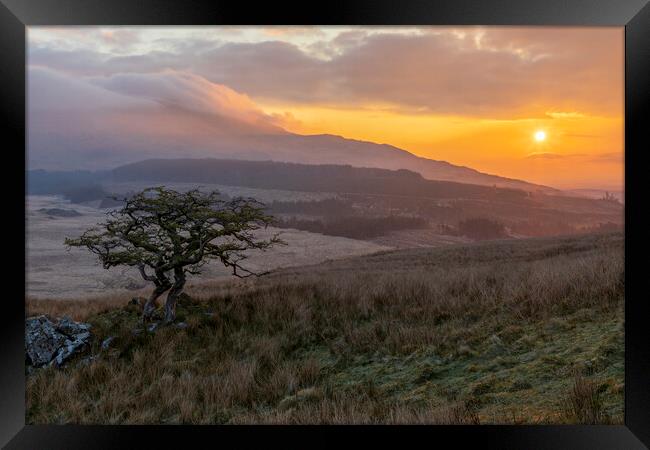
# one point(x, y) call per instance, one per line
point(634, 15)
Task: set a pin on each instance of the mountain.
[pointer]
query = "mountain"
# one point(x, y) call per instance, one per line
point(282, 147)
point(305, 177)
point(330, 149)
point(92, 142)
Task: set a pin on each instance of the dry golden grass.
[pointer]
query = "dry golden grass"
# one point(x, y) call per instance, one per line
point(76, 309)
point(83, 309)
point(488, 333)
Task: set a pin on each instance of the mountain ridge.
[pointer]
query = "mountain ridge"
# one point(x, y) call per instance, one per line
point(216, 137)
point(448, 164)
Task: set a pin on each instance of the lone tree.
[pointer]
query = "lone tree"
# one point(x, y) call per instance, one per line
point(167, 233)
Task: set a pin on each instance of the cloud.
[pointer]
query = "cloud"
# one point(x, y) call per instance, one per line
point(565, 115)
point(120, 38)
point(502, 76)
point(275, 31)
point(604, 157)
point(470, 71)
point(608, 157)
point(51, 90)
point(582, 135)
point(181, 90)
point(546, 156)
point(272, 69)
point(101, 122)
point(115, 40)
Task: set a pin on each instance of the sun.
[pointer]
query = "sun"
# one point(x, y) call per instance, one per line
point(540, 135)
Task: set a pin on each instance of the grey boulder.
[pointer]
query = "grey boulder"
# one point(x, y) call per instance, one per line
point(48, 342)
point(42, 341)
point(71, 347)
point(71, 328)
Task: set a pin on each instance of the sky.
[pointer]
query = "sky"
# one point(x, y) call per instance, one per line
point(535, 103)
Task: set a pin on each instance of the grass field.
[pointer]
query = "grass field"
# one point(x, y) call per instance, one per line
point(517, 331)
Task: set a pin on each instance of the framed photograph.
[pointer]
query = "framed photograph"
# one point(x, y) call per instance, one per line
point(277, 221)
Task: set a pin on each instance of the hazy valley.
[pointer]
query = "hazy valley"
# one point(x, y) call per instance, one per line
point(322, 212)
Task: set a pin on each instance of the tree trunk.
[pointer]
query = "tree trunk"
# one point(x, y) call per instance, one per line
point(151, 304)
point(174, 292)
point(162, 284)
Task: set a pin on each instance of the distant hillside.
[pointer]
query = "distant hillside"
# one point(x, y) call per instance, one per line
point(330, 149)
point(597, 193)
point(369, 192)
point(41, 182)
point(302, 177)
point(374, 193)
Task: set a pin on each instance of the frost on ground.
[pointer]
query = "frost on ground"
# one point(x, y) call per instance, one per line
point(53, 271)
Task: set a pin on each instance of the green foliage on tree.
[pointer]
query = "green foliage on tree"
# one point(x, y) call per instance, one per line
point(168, 234)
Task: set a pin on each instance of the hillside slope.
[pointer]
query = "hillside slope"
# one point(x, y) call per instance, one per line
point(301, 177)
point(518, 331)
point(331, 149)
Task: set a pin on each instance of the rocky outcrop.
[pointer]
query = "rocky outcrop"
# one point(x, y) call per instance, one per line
point(42, 341)
point(50, 342)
